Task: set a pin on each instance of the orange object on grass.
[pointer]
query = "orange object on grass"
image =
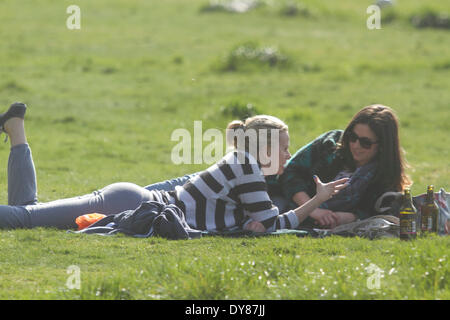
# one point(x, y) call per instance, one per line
point(86, 220)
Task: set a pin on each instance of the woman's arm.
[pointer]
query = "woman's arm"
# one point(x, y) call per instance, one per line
point(301, 198)
point(313, 158)
point(337, 219)
point(345, 217)
point(336, 210)
point(323, 217)
point(324, 192)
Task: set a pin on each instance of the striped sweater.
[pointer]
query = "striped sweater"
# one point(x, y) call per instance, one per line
point(230, 194)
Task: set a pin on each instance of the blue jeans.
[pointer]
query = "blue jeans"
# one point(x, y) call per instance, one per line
point(24, 210)
point(170, 184)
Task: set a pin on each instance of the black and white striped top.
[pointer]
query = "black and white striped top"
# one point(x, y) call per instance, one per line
point(230, 194)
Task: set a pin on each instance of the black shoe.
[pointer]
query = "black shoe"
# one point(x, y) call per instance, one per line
point(16, 110)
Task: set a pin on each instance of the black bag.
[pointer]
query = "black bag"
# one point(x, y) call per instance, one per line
point(389, 203)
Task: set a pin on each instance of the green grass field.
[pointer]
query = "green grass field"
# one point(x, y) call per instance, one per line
point(104, 100)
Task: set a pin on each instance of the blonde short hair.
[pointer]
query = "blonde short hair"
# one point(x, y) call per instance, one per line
point(256, 123)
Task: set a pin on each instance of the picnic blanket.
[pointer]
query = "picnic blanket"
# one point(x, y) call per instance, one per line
point(152, 218)
point(381, 226)
point(247, 233)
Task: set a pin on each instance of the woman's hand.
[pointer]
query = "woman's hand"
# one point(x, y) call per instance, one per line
point(329, 219)
point(255, 226)
point(325, 218)
point(325, 191)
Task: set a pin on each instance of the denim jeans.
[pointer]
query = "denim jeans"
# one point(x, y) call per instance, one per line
point(169, 185)
point(24, 210)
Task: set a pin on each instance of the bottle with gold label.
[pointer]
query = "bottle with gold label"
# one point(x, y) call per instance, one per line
point(408, 216)
point(430, 212)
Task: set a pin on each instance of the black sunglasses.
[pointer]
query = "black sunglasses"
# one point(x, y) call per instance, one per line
point(364, 142)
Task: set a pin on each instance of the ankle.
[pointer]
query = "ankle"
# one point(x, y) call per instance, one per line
point(14, 125)
point(15, 129)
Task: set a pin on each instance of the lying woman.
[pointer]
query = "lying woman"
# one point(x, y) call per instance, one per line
point(368, 152)
point(230, 194)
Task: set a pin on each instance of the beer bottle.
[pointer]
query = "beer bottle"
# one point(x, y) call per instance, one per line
point(408, 216)
point(430, 212)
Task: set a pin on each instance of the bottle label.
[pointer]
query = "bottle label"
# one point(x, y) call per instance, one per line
point(429, 217)
point(407, 223)
point(427, 223)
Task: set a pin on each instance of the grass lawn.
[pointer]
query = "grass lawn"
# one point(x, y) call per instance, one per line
point(104, 100)
point(35, 265)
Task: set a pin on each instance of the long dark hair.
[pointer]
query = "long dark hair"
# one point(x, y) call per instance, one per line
point(391, 163)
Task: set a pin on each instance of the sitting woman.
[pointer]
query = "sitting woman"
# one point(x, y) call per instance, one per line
point(230, 194)
point(368, 152)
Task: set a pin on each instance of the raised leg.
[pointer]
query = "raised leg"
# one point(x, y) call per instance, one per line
point(22, 186)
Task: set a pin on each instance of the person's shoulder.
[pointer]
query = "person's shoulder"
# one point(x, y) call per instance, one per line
point(333, 135)
point(238, 157)
point(244, 160)
point(329, 139)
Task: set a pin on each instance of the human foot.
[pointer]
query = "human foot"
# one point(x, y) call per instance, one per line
point(16, 110)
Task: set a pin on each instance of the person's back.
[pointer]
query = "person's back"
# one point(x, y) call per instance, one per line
point(221, 197)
